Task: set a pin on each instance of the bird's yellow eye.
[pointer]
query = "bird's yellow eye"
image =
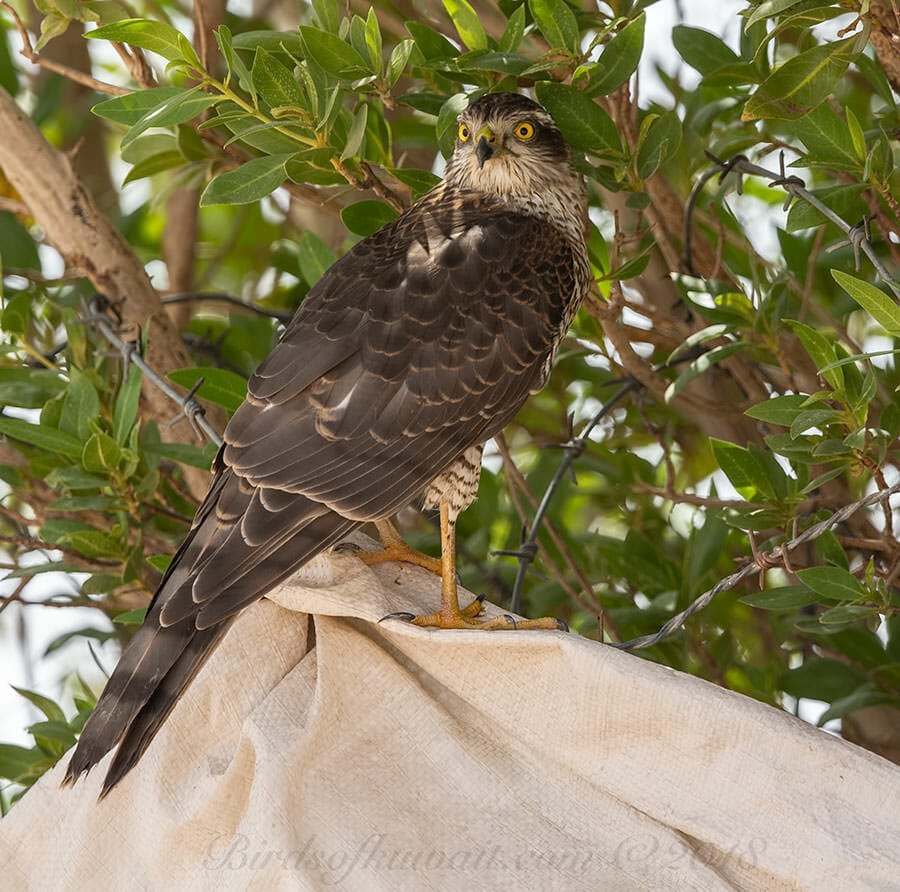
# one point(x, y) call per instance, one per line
point(464, 133)
point(524, 131)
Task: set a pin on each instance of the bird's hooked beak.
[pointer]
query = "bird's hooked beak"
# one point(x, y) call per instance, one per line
point(486, 145)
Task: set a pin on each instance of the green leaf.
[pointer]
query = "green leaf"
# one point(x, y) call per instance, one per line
point(251, 181)
point(658, 142)
point(129, 109)
point(367, 217)
point(787, 597)
point(399, 60)
point(175, 110)
point(274, 82)
point(700, 365)
point(313, 257)
point(882, 309)
point(430, 44)
point(224, 388)
point(49, 567)
point(131, 617)
point(556, 22)
point(821, 351)
point(863, 697)
point(195, 456)
point(87, 503)
point(101, 454)
point(778, 410)
point(419, 181)
point(357, 132)
point(832, 583)
point(160, 562)
point(21, 765)
point(826, 138)
point(373, 40)
point(42, 436)
point(333, 54)
point(618, 61)
point(158, 37)
point(702, 50)
point(126, 407)
point(802, 82)
point(50, 709)
point(80, 406)
point(467, 24)
point(28, 388)
point(16, 314)
point(769, 9)
point(752, 470)
point(327, 14)
point(515, 31)
point(91, 543)
point(848, 613)
point(446, 123)
point(585, 125)
point(820, 679)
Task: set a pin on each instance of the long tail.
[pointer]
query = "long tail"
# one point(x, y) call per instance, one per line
point(245, 541)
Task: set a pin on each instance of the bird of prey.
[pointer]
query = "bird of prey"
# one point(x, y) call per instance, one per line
point(412, 350)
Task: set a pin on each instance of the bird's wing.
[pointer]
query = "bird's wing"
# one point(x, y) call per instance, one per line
point(421, 341)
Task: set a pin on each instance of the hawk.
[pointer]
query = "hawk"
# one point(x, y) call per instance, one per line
point(412, 350)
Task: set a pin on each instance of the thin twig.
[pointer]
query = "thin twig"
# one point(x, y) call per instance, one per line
point(72, 74)
point(217, 297)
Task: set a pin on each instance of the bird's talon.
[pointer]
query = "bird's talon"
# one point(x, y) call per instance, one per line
point(400, 614)
point(562, 625)
point(513, 624)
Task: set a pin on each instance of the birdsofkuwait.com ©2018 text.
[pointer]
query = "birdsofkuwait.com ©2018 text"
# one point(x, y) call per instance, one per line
point(379, 853)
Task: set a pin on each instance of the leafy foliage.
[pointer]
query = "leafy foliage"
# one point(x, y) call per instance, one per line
point(789, 411)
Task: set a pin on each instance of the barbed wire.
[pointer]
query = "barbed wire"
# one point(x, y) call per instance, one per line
point(131, 354)
point(763, 561)
point(858, 234)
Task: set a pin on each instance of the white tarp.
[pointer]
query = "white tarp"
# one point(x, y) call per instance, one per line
point(385, 757)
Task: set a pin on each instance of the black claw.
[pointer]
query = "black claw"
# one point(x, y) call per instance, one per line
point(480, 598)
point(346, 546)
point(400, 614)
point(511, 620)
point(562, 625)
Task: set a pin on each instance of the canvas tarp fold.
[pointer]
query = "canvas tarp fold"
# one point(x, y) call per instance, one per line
point(334, 752)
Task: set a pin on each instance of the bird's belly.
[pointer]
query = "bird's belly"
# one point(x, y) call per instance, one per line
point(458, 485)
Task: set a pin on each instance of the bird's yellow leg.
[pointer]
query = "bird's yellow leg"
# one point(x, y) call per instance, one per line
point(395, 549)
point(450, 616)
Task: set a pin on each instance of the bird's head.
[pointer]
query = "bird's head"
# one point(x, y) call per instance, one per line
point(508, 145)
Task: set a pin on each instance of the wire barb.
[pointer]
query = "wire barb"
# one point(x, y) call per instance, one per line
point(131, 355)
